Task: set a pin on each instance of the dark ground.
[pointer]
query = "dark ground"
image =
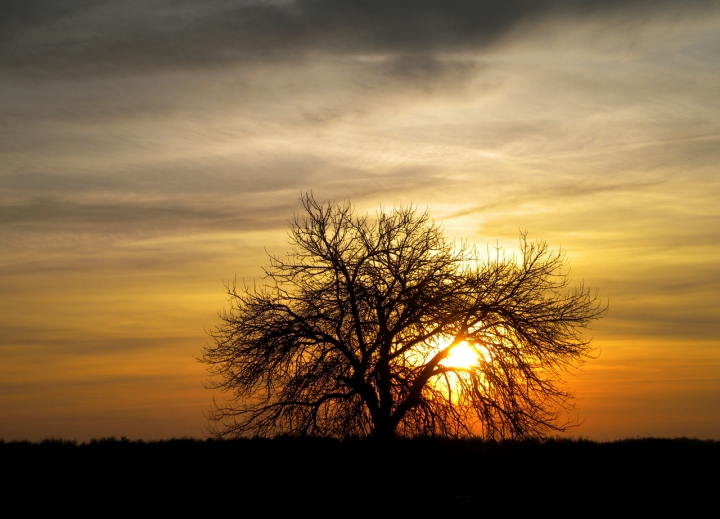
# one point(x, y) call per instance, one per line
point(346, 478)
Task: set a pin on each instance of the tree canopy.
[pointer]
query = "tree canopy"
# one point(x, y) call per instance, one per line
point(380, 327)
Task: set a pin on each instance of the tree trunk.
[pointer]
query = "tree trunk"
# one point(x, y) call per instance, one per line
point(384, 429)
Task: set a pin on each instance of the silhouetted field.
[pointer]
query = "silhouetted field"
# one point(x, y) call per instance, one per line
point(251, 477)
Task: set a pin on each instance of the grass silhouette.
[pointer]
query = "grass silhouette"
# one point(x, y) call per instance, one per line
point(348, 477)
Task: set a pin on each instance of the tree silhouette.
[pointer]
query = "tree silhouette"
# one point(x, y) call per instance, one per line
point(355, 333)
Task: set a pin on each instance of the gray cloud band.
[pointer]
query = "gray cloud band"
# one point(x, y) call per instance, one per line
point(112, 37)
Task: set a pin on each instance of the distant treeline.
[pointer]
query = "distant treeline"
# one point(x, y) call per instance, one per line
point(331, 476)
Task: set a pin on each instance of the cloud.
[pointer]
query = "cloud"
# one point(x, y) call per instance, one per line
point(111, 37)
point(556, 193)
point(177, 216)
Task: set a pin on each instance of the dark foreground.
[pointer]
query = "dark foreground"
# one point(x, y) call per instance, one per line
point(422, 476)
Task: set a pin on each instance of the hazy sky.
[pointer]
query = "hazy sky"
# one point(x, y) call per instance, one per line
point(151, 150)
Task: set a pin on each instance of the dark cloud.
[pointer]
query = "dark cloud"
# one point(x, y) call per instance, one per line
point(203, 176)
point(242, 192)
point(56, 215)
point(110, 37)
point(646, 319)
point(58, 341)
point(180, 214)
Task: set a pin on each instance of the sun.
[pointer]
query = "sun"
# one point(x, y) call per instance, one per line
point(461, 356)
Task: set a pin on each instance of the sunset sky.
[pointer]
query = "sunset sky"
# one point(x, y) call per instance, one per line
point(150, 151)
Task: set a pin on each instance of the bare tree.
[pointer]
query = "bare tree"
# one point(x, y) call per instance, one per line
point(358, 331)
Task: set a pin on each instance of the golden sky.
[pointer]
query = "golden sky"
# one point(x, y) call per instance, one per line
point(150, 151)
